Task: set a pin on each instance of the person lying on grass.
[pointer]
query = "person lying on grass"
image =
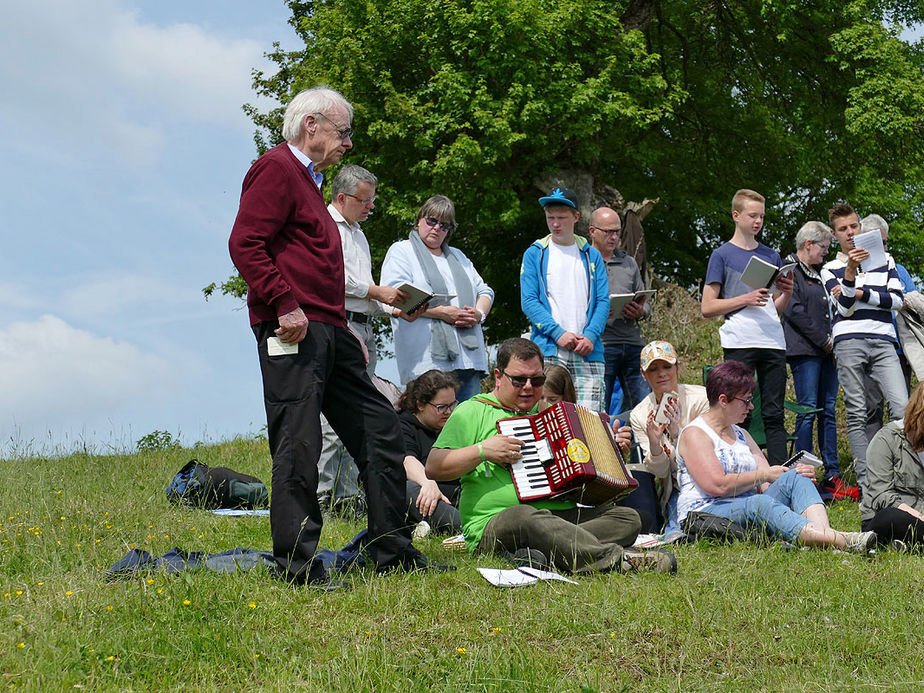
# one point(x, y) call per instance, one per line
point(721, 471)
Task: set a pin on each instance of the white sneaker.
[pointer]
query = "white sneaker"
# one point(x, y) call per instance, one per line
point(860, 542)
point(421, 530)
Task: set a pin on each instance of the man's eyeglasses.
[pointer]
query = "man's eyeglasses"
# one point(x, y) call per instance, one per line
point(608, 232)
point(342, 133)
point(446, 226)
point(521, 380)
point(822, 245)
point(444, 408)
point(362, 200)
point(747, 402)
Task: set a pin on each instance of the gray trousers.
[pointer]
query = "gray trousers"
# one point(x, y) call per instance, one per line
point(860, 360)
point(338, 476)
point(576, 541)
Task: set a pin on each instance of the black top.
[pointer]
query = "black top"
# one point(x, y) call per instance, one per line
point(418, 439)
point(807, 318)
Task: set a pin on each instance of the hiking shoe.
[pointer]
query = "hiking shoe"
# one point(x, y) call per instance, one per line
point(528, 558)
point(840, 490)
point(860, 542)
point(657, 560)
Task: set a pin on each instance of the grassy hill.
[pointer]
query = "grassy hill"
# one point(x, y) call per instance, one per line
point(733, 618)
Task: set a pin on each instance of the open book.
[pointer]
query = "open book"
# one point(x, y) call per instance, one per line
point(519, 577)
point(760, 274)
point(803, 457)
point(620, 301)
point(416, 297)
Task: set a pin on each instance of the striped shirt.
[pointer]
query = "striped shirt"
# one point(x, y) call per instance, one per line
point(871, 317)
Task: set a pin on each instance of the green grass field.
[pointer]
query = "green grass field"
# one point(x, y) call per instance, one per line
point(733, 618)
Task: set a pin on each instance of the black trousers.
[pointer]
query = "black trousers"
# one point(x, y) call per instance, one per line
point(770, 368)
point(892, 523)
point(328, 374)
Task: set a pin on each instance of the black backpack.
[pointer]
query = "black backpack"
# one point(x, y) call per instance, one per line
point(201, 486)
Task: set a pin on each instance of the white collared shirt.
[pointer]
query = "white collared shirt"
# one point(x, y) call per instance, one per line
point(357, 267)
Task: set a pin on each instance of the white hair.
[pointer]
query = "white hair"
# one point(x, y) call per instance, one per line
point(813, 231)
point(320, 99)
point(874, 222)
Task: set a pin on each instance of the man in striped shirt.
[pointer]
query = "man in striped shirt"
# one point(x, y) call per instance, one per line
point(864, 336)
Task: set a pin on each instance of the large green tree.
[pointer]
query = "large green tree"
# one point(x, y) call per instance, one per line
point(809, 103)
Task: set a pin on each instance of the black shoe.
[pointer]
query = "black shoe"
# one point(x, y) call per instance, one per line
point(329, 584)
point(528, 558)
point(413, 560)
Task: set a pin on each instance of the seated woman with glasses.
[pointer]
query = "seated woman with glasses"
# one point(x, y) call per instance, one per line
point(423, 410)
point(447, 335)
point(720, 470)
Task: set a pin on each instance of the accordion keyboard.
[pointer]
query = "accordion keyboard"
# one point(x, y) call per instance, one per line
point(528, 473)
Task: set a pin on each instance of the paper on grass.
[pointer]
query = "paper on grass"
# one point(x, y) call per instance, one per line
point(518, 577)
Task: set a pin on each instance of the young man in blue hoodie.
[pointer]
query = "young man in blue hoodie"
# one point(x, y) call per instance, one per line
point(564, 291)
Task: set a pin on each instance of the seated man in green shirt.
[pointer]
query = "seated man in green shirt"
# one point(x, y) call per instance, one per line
point(551, 532)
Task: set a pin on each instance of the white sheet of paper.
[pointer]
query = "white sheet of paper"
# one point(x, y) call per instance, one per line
point(277, 347)
point(519, 577)
point(545, 575)
point(871, 241)
point(507, 578)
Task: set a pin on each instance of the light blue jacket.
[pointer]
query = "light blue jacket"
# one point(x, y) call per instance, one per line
point(534, 296)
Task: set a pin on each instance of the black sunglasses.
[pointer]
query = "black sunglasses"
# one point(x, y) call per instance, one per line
point(521, 380)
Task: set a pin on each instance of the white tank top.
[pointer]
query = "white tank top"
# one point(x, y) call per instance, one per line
point(734, 457)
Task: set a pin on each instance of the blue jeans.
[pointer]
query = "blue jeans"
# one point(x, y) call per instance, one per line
point(859, 359)
point(778, 510)
point(469, 383)
point(815, 380)
point(623, 362)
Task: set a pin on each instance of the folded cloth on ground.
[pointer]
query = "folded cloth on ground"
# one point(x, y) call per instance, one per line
point(177, 560)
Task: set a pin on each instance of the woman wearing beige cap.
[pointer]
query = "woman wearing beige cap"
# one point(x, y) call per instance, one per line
point(657, 421)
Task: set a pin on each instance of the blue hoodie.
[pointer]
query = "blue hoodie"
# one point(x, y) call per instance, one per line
point(534, 296)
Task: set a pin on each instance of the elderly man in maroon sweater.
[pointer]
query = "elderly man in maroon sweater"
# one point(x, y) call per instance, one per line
point(287, 249)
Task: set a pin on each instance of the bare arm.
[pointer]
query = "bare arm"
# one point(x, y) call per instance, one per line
point(712, 306)
point(445, 464)
point(696, 448)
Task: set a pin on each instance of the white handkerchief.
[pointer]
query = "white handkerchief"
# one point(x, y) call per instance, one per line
point(277, 347)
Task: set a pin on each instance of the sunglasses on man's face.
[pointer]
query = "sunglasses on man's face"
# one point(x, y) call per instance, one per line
point(521, 380)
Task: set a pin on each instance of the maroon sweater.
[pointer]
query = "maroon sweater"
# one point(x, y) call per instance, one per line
point(285, 244)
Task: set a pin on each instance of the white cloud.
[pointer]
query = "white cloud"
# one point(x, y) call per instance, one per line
point(57, 375)
point(101, 80)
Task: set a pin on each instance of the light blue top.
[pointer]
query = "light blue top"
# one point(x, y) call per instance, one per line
point(534, 296)
point(412, 339)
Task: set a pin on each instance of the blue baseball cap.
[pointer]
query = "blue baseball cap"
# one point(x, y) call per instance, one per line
point(560, 196)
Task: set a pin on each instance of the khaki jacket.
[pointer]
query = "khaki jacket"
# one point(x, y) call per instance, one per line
point(894, 473)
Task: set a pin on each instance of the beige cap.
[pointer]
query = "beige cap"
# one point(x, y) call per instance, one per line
point(658, 351)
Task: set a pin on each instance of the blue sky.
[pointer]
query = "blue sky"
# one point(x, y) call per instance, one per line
point(123, 146)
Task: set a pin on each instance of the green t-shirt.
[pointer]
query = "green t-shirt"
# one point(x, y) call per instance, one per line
point(487, 489)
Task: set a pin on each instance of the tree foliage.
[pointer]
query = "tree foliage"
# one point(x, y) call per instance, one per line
point(809, 103)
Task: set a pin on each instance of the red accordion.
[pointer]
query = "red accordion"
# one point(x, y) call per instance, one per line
point(569, 453)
